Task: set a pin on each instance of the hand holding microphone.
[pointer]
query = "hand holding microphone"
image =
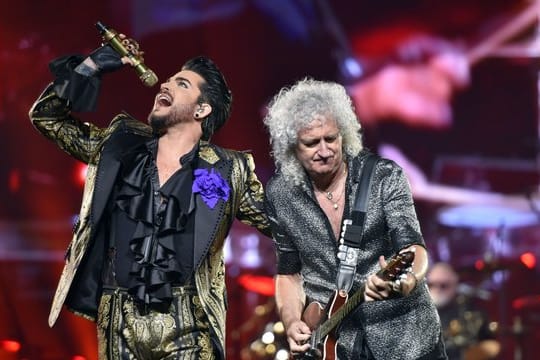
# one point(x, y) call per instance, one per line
point(107, 61)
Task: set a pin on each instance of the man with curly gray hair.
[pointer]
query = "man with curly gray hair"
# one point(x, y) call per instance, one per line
point(317, 147)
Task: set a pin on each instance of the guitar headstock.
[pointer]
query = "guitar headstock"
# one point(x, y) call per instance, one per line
point(396, 266)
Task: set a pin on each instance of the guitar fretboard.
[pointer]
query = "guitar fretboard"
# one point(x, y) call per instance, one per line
point(396, 266)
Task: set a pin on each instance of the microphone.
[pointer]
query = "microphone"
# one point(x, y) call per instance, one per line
point(147, 76)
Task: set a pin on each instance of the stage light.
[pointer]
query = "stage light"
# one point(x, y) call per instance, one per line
point(14, 182)
point(528, 259)
point(479, 265)
point(282, 354)
point(80, 173)
point(351, 68)
point(11, 346)
point(78, 357)
point(268, 337)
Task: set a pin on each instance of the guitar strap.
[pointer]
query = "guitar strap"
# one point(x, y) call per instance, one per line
point(351, 235)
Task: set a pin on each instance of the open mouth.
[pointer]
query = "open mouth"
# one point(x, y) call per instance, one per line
point(164, 99)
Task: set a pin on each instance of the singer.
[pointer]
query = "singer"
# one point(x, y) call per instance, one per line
point(146, 259)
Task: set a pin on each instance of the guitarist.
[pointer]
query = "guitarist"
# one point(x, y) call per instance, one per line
point(318, 151)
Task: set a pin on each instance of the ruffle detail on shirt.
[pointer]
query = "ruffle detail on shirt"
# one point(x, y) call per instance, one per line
point(155, 265)
point(154, 270)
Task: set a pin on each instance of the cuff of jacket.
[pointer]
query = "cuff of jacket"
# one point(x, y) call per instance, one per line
point(81, 91)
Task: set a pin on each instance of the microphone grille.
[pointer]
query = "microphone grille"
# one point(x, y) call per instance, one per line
point(149, 78)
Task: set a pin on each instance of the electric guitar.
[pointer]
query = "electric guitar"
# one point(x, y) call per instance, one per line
point(322, 322)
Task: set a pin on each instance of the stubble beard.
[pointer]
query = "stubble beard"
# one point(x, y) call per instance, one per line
point(160, 123)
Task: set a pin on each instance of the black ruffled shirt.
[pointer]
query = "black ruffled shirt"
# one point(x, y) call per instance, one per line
point(152, 227)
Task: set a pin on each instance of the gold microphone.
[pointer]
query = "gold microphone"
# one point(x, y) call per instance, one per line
point(109, 35)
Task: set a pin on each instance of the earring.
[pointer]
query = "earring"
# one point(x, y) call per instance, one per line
point(196, 114)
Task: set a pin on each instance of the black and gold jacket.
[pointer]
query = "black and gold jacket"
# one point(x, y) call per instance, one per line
point(101, 149)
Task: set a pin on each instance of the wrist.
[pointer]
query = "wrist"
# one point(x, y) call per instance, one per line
point(87, 68)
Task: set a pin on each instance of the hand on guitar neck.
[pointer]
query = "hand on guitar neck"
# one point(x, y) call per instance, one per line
point(320, 323)
point(388, 283)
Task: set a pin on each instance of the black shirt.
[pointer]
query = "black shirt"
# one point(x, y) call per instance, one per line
point(152, 227)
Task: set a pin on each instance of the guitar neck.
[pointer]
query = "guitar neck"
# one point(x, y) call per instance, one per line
point(342, 312)
point(396, 266)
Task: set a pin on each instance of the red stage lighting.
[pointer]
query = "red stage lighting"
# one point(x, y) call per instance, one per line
point(263, 285)
point(11, 346)
point(14, 181)
point(479, 265)
point(78, 357)
point(80, 173)
point(528, 259)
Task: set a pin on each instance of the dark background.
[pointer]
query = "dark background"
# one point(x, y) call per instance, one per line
point(261, 46)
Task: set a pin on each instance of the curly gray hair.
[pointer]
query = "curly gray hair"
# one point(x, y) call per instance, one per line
point(294, 108)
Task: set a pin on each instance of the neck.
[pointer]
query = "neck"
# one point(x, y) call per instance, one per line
point(179, 140)
point(328, 182)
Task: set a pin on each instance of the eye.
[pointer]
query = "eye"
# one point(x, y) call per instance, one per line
point(183, 83)
point(331, 139)
point(311, 144)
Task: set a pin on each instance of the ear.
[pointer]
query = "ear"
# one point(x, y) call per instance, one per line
point(202, 111)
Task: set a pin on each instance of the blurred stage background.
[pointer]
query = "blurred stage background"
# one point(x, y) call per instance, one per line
point(262, 46)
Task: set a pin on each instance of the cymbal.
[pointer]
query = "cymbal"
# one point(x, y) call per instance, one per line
point(263, 285)
point(485, 217)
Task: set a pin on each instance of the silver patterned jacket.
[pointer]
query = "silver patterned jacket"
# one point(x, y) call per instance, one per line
point(401, 328)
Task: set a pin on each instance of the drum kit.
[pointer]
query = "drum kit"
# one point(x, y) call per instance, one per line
point(494, 249)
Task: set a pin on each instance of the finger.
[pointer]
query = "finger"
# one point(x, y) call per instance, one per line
point(373, 290)
point(127, 61)
point(382, 262)
point(130, 42)
point(297, 348)
point(396, 286)
point(129, 46)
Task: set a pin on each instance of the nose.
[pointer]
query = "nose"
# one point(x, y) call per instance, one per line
point(324, 150)
point(165, 85)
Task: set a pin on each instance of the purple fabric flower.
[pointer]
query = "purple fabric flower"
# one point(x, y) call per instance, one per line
point(211, 186)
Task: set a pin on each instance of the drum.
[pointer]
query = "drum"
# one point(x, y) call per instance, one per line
point(469, 233)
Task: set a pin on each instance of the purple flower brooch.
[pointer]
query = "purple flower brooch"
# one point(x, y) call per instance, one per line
point(211, 186)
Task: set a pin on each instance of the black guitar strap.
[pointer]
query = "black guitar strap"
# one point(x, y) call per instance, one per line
point(352, 231)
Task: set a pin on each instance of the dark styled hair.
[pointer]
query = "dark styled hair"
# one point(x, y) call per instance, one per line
point(214, 91)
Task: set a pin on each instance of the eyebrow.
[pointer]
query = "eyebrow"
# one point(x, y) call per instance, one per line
point(320, 137)
point(180, 78)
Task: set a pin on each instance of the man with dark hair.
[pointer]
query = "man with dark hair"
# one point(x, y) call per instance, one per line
point(146, 259)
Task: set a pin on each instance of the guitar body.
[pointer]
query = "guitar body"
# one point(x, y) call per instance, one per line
point(314, 315)
point(323, 322)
